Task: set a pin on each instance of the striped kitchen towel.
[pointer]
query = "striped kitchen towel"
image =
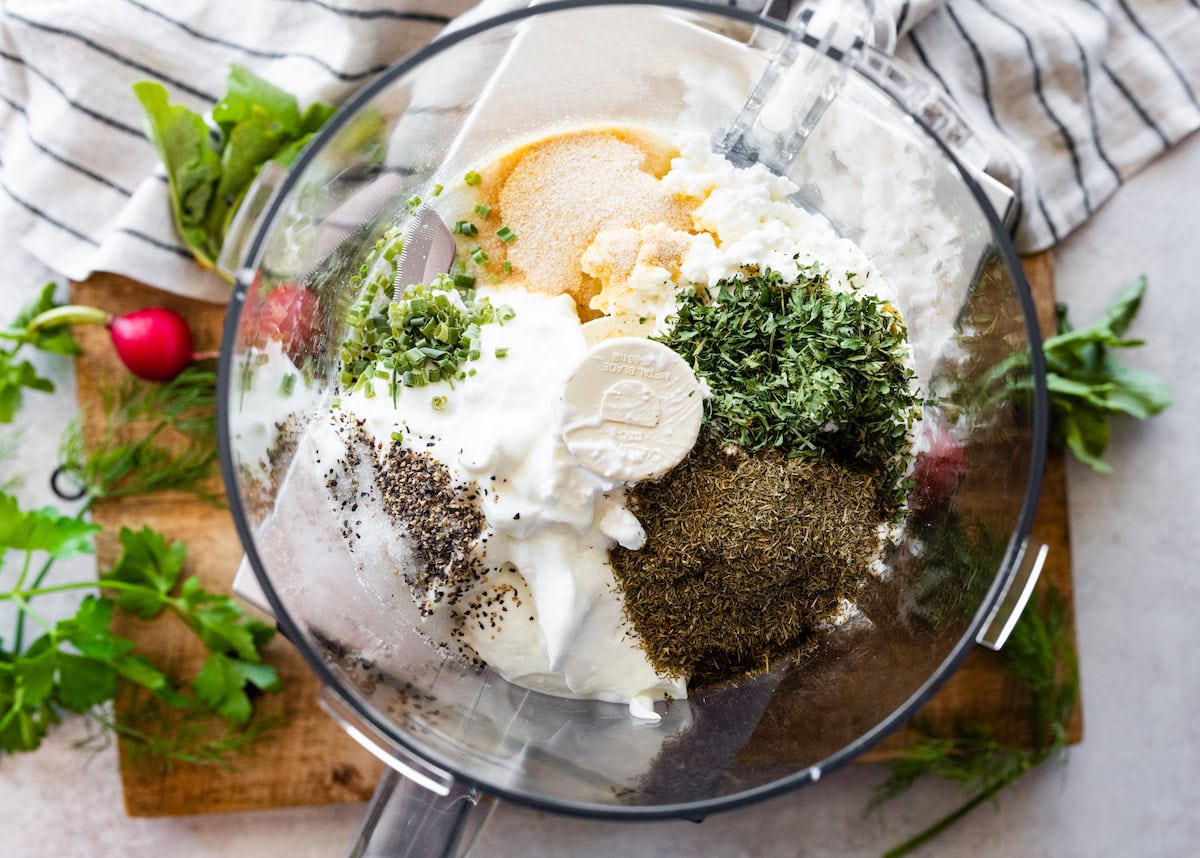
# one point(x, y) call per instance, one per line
point(1072, 97)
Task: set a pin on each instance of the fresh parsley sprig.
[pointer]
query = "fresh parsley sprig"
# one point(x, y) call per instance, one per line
point(75, 664)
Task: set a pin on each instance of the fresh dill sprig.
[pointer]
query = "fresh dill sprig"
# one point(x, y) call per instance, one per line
point(160, 737)
point(1040, 656)
point(156, 437)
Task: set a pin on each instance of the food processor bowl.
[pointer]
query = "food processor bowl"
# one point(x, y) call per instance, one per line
point(854, 131)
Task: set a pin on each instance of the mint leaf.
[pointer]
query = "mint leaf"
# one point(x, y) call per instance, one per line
point(147, 561)
point(43, 530)
point(1088, 385)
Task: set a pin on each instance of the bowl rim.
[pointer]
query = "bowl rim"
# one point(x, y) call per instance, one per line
point(694, 810)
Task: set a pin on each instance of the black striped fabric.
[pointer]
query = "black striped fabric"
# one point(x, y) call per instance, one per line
point(1072, 96)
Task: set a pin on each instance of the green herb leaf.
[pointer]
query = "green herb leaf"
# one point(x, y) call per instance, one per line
point(208, 178)
point(14, 377)
point(221, 623)
point(801, 368)
point(88, 631)
point(247, 95)
point(222, 681)
point(84, 682)
point(43, 530)
point(193, 166)
point(1088, 385)
point(317, 114)
point(146, 560)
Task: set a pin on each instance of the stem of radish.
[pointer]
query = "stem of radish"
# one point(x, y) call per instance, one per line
point(69, 314)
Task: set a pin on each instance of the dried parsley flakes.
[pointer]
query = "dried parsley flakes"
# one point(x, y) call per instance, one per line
point(801, 368)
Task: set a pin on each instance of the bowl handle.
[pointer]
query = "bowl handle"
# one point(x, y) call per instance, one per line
point(1008, 609)
point(418, 810)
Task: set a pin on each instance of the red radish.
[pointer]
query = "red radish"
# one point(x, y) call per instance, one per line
point(937, 471)
point(154, 343)
point(289, 314)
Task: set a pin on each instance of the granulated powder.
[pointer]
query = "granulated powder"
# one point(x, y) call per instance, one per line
point(558, 193)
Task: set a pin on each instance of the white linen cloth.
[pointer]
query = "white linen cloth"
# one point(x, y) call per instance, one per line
point(1072, 96)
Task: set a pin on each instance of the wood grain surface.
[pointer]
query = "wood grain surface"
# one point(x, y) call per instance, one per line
point(310, 760)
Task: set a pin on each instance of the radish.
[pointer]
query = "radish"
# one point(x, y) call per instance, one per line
point(938, 471)
point(289, 314)
point(154, 343)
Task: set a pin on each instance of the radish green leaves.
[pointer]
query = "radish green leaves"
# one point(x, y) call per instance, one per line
point(208, 168)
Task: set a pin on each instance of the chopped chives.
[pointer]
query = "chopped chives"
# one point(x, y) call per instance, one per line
point(472, 178)
point(414, 201)
point(418, 338)
point(483, 210)
point(288, 384)
point(437, 190)
point(397, 437)
point(501, 353)
point(506, 235)
point(464, 227)
point(507, 266)
point(438, 403)
point(480, 256)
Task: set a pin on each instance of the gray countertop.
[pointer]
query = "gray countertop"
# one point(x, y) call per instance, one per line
point(1132, 788)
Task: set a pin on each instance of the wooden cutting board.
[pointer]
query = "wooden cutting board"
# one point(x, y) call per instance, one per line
point(310, 760)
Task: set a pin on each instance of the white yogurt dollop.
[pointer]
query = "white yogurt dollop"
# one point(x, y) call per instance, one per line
point(547, 515)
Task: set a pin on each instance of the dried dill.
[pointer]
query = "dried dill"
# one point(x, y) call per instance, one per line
point(801, 369)
point(745, 555)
